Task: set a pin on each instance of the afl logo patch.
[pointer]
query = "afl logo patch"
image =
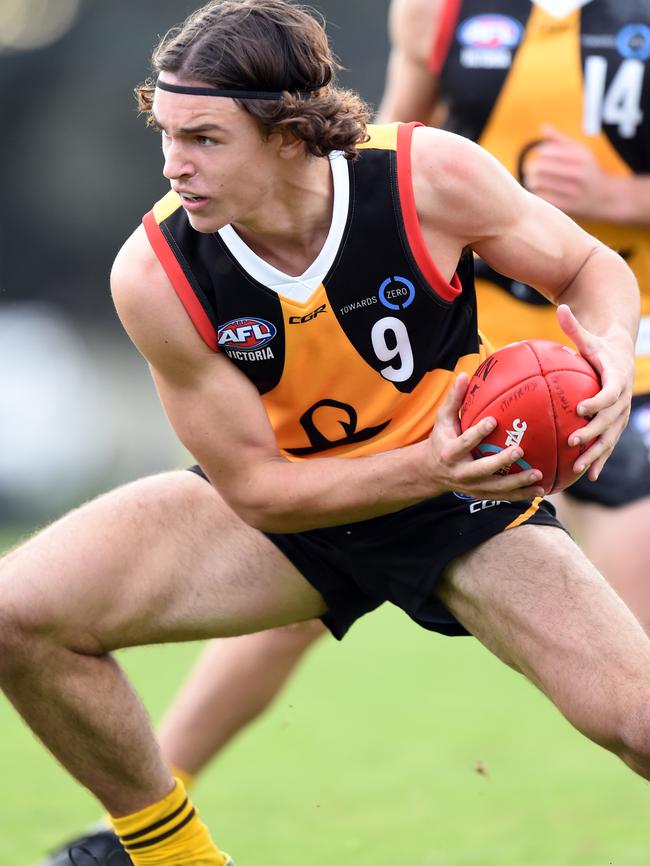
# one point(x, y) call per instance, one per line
point(246, 334)
point(490, 31)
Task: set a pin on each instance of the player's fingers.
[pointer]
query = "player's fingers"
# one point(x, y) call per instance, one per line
point(597, 467)
point(448, 411)
point(464, 444)
point(594, 457)
point(604, 407)
point(593, 460)
point(547, 183)
point(581, 337)
point(495, 463)
point(518, 485)
point(552, 162)
point(551, 133)
point(607, 422)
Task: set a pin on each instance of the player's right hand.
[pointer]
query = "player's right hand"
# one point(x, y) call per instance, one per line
point(453, 467)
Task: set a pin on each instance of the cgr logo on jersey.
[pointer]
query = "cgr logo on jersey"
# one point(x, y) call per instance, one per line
point(309, 317)
point(246, 339)
point(487, 41)
point(633, 41)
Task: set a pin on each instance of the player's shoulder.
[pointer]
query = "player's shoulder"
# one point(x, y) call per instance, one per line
point(457, 184)
point(447, 160)
point(137, 274)
point(148, 306)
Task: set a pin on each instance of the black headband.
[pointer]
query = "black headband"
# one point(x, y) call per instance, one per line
point(222, 91)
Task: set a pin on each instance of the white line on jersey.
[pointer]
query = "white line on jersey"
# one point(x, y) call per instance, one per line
point(560, 8)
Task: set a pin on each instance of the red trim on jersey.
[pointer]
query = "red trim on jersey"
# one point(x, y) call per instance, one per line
point(447, 291)
point(447, 24)
point(179, 281)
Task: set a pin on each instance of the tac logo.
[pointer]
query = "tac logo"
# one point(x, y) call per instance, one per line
point(246, 334)
point(633, 41)
point(490, 31)
point(515, 435)
point(396, 293)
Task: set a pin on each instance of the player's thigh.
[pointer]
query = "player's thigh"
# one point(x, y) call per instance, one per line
point(161, 559)
point(532, 597)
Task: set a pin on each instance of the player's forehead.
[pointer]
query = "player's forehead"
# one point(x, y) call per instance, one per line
point(177, 111)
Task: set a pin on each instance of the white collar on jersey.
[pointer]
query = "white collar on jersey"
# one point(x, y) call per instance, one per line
point(560, 8)
point(299, 288)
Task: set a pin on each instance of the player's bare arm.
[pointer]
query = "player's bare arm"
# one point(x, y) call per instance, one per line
point(524, 237)
point(217, 412)
point(411, 90)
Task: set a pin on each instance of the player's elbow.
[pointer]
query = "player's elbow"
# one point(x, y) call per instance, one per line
point(271, 515)
point(262, 501)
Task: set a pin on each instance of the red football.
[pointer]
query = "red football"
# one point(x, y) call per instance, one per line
point(532, 388)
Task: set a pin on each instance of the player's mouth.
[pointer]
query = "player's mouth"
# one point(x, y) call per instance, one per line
point(192, 202)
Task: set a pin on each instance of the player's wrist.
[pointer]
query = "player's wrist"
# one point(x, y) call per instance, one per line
point(423, 476)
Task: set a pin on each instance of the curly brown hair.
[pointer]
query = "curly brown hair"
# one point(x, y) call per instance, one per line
point(266, 45)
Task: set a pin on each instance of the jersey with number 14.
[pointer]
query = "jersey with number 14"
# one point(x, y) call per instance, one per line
point(508, 66)
point(361, 364)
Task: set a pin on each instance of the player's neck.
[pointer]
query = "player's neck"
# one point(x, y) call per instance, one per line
point(289, 230)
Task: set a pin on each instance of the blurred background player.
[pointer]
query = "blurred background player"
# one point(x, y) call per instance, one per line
point(579, 137)
point(559, 92)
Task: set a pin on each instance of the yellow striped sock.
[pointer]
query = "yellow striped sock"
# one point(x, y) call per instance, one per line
point(168, 833)
point(186, 778)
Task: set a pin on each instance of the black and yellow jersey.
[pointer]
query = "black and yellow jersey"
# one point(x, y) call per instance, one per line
point(508, 66)
point(361, 364)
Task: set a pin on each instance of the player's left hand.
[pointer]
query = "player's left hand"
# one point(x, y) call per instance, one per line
point(613, 360)
point(567, 174)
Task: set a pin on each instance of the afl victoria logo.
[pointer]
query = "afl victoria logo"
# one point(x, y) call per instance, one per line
point(490, 31)
point(246, 334)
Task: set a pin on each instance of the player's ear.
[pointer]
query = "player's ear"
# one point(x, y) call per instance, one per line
point(289, 146)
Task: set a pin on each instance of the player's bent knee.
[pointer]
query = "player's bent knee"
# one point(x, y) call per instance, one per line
point(32, 643)
point(31, 627)
point(17, 641)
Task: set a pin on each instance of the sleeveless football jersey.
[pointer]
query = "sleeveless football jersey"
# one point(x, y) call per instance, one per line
point(362, 363)
point(506, 67)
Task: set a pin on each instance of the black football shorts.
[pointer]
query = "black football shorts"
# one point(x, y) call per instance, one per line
point(400, 557)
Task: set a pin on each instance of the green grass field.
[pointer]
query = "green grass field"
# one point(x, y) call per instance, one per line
point(394, 748)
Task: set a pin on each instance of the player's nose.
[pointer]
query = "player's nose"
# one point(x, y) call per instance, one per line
point(176, 162)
